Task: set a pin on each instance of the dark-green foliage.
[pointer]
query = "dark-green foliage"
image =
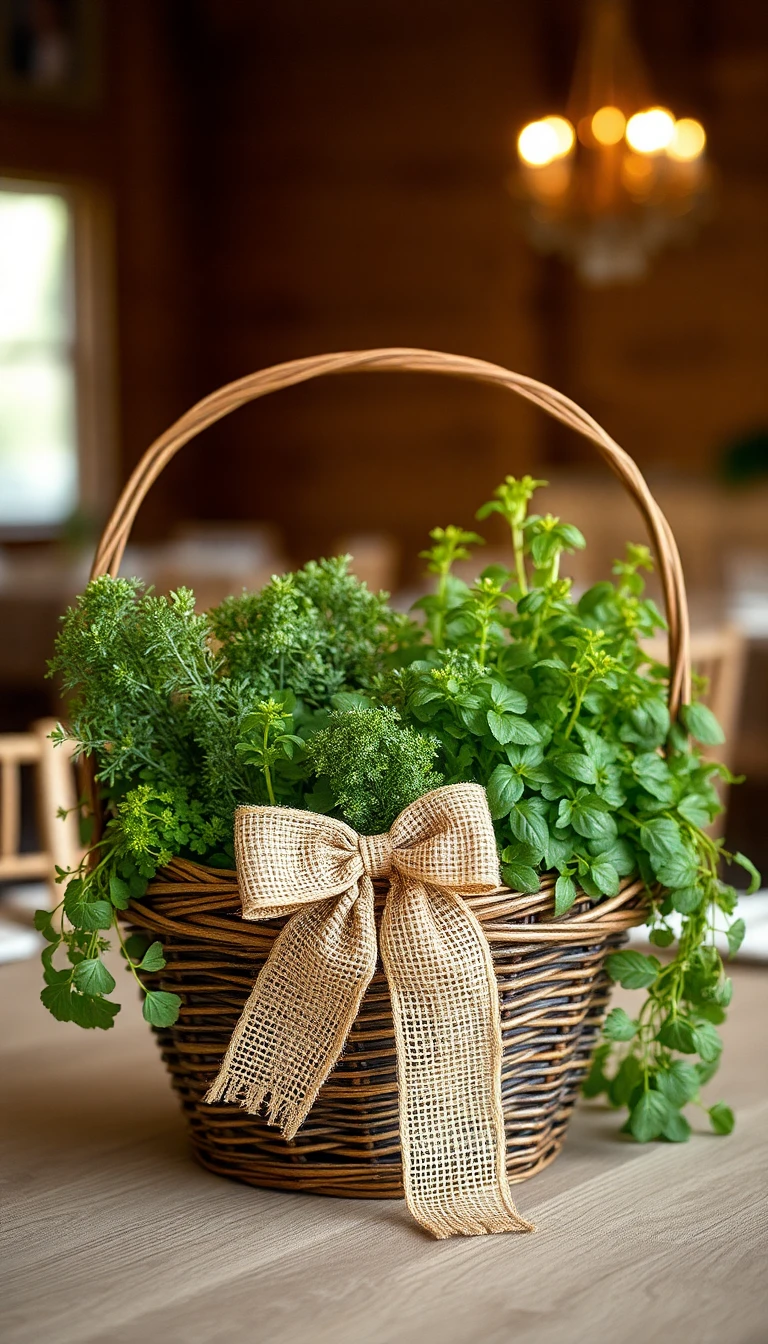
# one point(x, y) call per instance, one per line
point(315, 693)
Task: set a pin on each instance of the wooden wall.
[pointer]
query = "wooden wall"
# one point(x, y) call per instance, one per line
point(303, 177)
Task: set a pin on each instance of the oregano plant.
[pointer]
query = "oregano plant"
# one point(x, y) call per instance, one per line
point(315, 693)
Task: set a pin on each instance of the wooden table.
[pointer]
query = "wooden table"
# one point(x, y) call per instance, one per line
point(114, 1235)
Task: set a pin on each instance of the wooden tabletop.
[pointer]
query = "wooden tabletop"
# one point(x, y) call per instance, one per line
point(114, 1235)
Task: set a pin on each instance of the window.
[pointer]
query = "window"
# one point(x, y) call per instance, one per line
point(54, 388)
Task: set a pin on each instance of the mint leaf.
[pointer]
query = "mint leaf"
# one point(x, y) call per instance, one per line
point(605, 877)
point(679, 1082)
point(565, 893)
point(42, 920)
point(750, 868)
point(520, 877)
point(708, 1042)
point(504, 788)
point(119, 892)
point(93, 1013)
point(735, 935)
point(721, 1118)
point(58, 1000)
point(161, 1009)
point(85, 914)
point(677, 1034)
point(153, 959)
point(576, 765)
point(633, 970)
point(649, 1116)
point(506, 728)
point(676, 1129)
point(686, 899)
point(529, 825)
point(619, 1026)
point(702, 724)
point(91, 976)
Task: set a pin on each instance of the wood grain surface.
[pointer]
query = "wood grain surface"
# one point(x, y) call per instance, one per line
point(112, 1234)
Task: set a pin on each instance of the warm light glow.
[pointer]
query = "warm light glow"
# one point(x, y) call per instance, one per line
point(650, 132)
point(638, 174)
point(608, 125)
point(542, 141)
point(564, 133)
point(688, 140)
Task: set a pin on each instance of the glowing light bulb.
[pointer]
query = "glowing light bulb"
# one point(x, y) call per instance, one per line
point(688, 140)
point(542, 141)
point(608, 125)
point(564, 134)
point(650, 132)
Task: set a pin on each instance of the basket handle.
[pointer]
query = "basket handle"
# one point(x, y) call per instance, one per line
point(218, 404)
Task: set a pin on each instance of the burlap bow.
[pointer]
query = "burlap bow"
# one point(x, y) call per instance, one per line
point(438, 964)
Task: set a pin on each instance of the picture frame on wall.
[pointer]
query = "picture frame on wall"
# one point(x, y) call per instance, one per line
point(51, 52)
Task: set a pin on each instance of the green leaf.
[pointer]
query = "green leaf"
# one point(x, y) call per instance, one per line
point(92, 977)
point(652, 771)
point(678, 871)
point(43, 925)
point(702, 724)
point(161, 1009)
point(576, 765)
point(735, 935)
point(119, 892)
point(85, 914)
point(529, 824)
point(346, 700)
point(507, 700)
point(708, 1042)
point(705, 1072)
point(721, 1118)
point(58, 1000)
point(679, 1082)
point(520, 877)
point(633, 970)
point(686, 899)
point(565, 893)
point(596, 1081)
point(605, 877)
point(591, 817)
point(619, 1026)
point(94, 1013)
point(677, 1034)
point(649, 1116)
point(695, 809)
point(627, 1078)
point(153, 959)
point(661, 937)
point(676, 1129)
point(504, 788)
point(506, 728)
point(662, 839)
point(750, 868)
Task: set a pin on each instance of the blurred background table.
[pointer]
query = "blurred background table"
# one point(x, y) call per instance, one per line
point(114, 1234)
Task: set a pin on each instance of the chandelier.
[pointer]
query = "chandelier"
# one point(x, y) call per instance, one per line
point(617, 178)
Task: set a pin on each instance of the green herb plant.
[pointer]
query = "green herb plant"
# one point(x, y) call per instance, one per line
point(314, 693)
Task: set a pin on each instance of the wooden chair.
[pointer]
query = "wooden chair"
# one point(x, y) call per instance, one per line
point(55, 788)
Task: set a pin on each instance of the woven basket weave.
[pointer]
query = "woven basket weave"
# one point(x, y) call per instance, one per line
point(552, 985)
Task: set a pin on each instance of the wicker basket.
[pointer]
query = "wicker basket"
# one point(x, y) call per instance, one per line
point(552, 985)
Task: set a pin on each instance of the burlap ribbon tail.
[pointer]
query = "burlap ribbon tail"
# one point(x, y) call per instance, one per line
point(442, 984)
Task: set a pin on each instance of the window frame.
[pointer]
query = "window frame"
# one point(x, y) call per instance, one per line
point(93, 346)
